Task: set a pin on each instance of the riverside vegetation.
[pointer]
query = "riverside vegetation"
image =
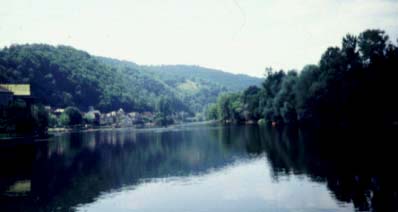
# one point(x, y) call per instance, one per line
point(63, 77)
point(352, 85)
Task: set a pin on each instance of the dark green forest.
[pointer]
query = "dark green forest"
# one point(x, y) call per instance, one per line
point(62, 76)
point(352, 85)
point(196, 86)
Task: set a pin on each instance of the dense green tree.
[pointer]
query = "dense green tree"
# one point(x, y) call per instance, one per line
point(307, 91)
point(64, 119)
point(230, 108)
point(271, 87)
point(351, 86)
point(164, 106)
point(285, 100)
point(41, 119)
point(251, 100)
point(223, 110)
point(52, 120)
point(89, 118)
point(372, 45)
point(71, 116)
point(211, 112)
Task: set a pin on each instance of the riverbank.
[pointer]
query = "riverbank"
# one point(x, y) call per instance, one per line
point(54, 131)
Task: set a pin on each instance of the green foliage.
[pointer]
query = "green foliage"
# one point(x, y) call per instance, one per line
point(229, 107)
point(89, 118)
point(189, 87)
point(52, 120)
point(63, 76)
point(163, 120)
point(285, 100)
point(64, 119)
point(194, 86)
point(251, 102)
point(211, 112)
point(74, 116)
point(70, 117)
point(352, 85)
point(165, 106)
point(271, 87)
point(175, 74)
point(372, 45)
point(261, 122)
point(41, 119)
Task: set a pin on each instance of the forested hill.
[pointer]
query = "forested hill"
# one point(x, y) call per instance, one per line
point(196, 86)
point(236, 82)
point(172, 74)
point(63, 76)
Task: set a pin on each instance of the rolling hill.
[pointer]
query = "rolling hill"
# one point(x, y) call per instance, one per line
point(62, 76)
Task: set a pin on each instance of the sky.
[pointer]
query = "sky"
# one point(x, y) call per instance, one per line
point(238, 36)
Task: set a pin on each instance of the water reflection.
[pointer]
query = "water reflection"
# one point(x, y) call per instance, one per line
point(357, 166)
point(76, 170)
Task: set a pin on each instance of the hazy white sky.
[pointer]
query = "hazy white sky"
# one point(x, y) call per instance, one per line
point(240, 36)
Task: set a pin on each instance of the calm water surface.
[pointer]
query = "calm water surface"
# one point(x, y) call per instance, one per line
point(201, 168)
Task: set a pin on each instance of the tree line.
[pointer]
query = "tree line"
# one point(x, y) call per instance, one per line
point(352, 85)
point(63, 76)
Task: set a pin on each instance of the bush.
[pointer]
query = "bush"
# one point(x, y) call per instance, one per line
point(89, 118)
point(71, 116)
point(261, 122)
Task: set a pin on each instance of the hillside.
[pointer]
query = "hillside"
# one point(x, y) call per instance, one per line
point(172, 73)
point(63, 76)
point(234, 82)
point(196, 86)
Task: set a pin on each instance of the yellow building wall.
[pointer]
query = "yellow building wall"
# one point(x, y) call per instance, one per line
point(18, 89)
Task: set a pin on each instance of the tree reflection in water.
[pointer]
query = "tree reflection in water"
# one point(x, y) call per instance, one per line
point(75, 169)
point(358, 166)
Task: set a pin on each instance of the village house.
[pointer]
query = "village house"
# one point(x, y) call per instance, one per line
point(17, 122)
point(10, 92)
point(58, 111)
point(136, 118)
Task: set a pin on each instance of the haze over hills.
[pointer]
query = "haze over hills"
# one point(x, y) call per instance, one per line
point(63, 76)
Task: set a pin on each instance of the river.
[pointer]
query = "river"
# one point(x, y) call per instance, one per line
point(202, 168)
